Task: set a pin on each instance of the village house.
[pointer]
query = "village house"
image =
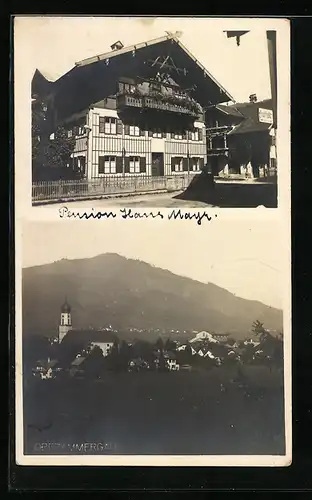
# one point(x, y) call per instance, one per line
point(134, 111)
point(46, 368)
point(241, 139)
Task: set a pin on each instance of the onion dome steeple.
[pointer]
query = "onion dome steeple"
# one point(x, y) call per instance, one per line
point(66, 307)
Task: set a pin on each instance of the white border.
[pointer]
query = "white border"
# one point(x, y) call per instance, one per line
point(23, 72)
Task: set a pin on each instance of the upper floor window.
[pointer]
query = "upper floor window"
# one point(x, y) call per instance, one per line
point(127, 88)
point(157, 133)
point(178, 136)
point(195, 135)
point(134, 130)
point(107, 125)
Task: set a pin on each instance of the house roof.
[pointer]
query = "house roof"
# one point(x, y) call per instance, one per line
point(230, 110)
point(47, 363)
point(250, 111)
point(248, 126)
point(207, 87)
point(78, 361)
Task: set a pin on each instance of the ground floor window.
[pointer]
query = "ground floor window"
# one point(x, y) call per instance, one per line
point(177, 164)
point(134, 164)
point(107, 164)
point(195, 164)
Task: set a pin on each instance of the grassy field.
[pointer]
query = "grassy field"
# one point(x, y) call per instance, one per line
point(160, 413)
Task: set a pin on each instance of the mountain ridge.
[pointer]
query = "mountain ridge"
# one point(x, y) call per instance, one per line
point(112, 289)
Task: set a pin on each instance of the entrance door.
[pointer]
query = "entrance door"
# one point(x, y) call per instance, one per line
point(157, 164)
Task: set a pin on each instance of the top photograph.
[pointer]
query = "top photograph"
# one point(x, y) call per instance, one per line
point(126, 112)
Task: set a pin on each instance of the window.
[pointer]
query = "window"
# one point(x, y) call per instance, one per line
point(107, 165)
point(178, 136)
point(107, 125)
point(134, 130)
point(134, 164)
point(195, 135)
point(177, 164)
point(157, 133)
point(195, 164)
point(70, 133)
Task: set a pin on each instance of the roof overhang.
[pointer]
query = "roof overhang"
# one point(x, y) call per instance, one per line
point(139, 54)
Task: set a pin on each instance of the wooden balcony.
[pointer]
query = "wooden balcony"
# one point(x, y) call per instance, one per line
point(215, 131)
point(224, 151)
point(146, 102)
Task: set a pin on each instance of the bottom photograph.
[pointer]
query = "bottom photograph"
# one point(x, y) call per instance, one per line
point(148, 338)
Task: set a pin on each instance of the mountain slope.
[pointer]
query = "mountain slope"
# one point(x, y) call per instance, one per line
point(112, 290)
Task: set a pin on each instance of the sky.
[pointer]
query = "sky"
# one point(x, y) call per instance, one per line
point(54, 44)
point(242, 256)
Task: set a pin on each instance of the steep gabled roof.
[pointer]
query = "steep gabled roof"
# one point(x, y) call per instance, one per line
point(130, 59)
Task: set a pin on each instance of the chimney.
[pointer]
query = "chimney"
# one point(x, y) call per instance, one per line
point(117, 45)
point(253, 98)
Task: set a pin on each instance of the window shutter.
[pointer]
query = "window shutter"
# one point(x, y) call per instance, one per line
point(201, 163)
point(172, 164)
point(185, 164)
point(101, 125)
point(119, 127)
point(142, 165)
point(127, 165)
point(101, 164)
point(200, 134)
point(127, 129)
point(119, 169)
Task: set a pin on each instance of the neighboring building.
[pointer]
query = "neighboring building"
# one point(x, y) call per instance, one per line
point(134, 110)
point(241, 139)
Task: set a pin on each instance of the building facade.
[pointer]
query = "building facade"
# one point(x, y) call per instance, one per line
point(134, 111)
point(241, 139)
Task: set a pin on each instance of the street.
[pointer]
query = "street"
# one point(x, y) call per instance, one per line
point(163, 200)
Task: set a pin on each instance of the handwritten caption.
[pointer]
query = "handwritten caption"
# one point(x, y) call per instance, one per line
point(128, 213)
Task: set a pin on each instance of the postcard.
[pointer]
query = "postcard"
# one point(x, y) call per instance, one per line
point(152, 241)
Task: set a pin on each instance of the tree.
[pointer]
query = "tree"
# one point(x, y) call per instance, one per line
point(50, 151)
point(159, 344)
point(259, 330)
point(170, 345)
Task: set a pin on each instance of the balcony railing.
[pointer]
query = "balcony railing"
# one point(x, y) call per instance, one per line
point(169, 104)
point(219, 130)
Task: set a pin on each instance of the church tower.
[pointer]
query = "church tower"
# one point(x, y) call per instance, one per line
point(66, 322)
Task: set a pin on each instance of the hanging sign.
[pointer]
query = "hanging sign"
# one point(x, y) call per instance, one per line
point(265, 115)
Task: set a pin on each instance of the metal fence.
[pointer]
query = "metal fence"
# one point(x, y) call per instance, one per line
point(108, 185)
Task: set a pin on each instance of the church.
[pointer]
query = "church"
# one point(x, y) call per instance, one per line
point(83, 338)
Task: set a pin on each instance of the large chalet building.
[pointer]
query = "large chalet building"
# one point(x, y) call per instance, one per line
point(134, 110)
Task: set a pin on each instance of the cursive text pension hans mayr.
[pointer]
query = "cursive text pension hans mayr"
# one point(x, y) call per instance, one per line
point(128, 213)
